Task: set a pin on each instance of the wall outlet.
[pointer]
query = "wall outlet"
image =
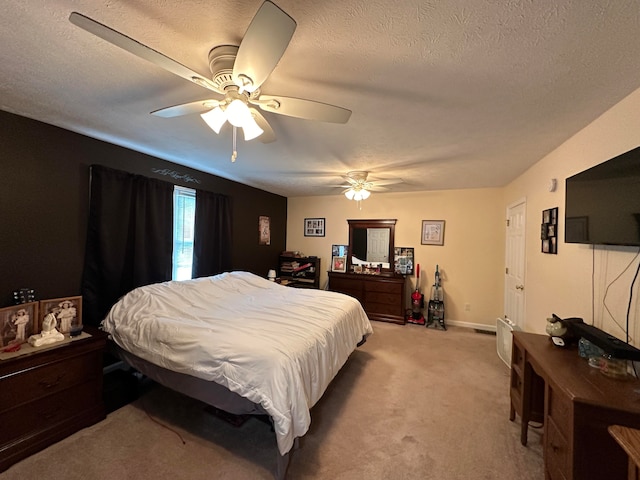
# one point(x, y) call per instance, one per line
point(467, 307)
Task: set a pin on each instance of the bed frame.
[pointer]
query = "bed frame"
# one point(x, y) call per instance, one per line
point(208, 392)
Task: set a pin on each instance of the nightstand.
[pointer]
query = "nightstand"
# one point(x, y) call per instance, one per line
point(49, 394)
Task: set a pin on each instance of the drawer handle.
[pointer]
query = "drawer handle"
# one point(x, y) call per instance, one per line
point(48, 385)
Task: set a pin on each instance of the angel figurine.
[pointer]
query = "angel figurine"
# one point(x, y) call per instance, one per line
point(49, 333)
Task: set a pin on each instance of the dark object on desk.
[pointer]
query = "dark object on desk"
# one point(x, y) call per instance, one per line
point(611, 345)
point(561, 330)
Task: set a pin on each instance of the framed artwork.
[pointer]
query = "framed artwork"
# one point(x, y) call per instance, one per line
point(18, 323)
point(403, 260)
point(549, 231)
point(67, 310)
point(432, 232)
point(314, 227)
point(339, 264)
point(264, 227)
point(339, 250)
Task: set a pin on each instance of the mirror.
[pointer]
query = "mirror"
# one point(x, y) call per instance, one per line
point(371, 241)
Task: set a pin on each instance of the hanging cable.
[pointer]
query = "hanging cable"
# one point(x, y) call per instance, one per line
point(631, 297)
point(234, 155)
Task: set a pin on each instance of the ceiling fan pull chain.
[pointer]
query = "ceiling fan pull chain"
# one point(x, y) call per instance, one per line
point(234, 155)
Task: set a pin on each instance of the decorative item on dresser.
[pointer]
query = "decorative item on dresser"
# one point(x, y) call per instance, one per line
point(47, 394)
point(381, 295)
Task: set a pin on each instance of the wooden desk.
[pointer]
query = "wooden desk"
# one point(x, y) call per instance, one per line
point(578, 405)
point(629, 440)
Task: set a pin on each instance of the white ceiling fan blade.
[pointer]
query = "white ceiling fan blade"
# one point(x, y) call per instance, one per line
point(263, 45)
point(376, 188)
point(386, 181)
point(268, 136)
point(200, 106)
point(300, 108)
point(139, 50)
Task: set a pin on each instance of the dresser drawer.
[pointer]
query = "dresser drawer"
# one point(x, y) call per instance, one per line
point(383, 308)
point(48, 378)
point(394, 288)
point(383, 299)
point(49, 411)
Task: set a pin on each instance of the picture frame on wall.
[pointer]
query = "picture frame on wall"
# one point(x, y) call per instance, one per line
point(549, 231)
point(432, 232)
point(18, 323)
point(339, 264)
point(67, 310)
point(264, 227)
point(314, 227)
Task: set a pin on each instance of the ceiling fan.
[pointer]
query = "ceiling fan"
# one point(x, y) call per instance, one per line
point(359, 186)
point(237, 73)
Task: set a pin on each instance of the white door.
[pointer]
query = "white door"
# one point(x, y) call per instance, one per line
point(514, 294)
point(378, 245)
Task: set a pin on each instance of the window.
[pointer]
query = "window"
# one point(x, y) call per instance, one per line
point(184, 209)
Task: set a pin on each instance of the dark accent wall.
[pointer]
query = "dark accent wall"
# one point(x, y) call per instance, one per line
point(44, 200)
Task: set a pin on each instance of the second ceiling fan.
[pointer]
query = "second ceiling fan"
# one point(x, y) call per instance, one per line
point(237, 73)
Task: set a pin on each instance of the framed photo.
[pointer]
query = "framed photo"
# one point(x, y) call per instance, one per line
point(68, 312)
point(339, 264)
point(339, 250)
point(432, 232)
point(403, 260)
point(314, 227)
point(18, 323)
point(549, 231)
point(357, 268)
point(264, 227)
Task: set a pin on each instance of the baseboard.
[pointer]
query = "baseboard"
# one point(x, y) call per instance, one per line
point(475, 326)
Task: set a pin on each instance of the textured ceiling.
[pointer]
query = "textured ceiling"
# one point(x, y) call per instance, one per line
point(445, 94)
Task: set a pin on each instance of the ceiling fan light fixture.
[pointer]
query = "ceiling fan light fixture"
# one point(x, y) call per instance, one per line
point(350, 193)
point(238, 113)
point(251, 129)
point(365, 194)
point(215, 118)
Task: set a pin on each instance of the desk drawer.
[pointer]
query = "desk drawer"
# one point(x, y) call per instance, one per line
point(557, 455)
point(559, 408)
point(49, 378)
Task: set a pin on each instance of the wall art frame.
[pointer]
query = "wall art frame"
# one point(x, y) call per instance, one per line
point(314, 227)
point(549, 231)
point(432, 232)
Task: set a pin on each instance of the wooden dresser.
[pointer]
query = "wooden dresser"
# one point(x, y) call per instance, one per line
point(576, 403)
point(48, 395)
point(381, 296)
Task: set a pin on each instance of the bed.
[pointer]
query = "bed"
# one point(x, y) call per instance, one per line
point(241, 343)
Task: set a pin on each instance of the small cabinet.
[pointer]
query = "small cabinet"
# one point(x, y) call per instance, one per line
point(48, 395)
point(301, 272)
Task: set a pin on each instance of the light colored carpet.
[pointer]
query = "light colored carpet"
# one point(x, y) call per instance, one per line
point(412, 403)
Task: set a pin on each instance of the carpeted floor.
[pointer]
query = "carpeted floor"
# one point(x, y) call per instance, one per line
point(412, 403)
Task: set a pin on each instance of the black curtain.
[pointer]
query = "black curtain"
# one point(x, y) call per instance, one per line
point(129, 238)
point(212, 239)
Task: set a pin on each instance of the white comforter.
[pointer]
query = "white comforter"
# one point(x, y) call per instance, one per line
point(277, 346)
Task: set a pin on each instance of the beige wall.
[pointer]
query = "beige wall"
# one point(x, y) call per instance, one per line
point(472, 258)
point(562, 283)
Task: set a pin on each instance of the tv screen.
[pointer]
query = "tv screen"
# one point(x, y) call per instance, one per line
point(602, 204)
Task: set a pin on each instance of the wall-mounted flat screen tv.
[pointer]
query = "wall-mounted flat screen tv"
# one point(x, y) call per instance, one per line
point(602, 204)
